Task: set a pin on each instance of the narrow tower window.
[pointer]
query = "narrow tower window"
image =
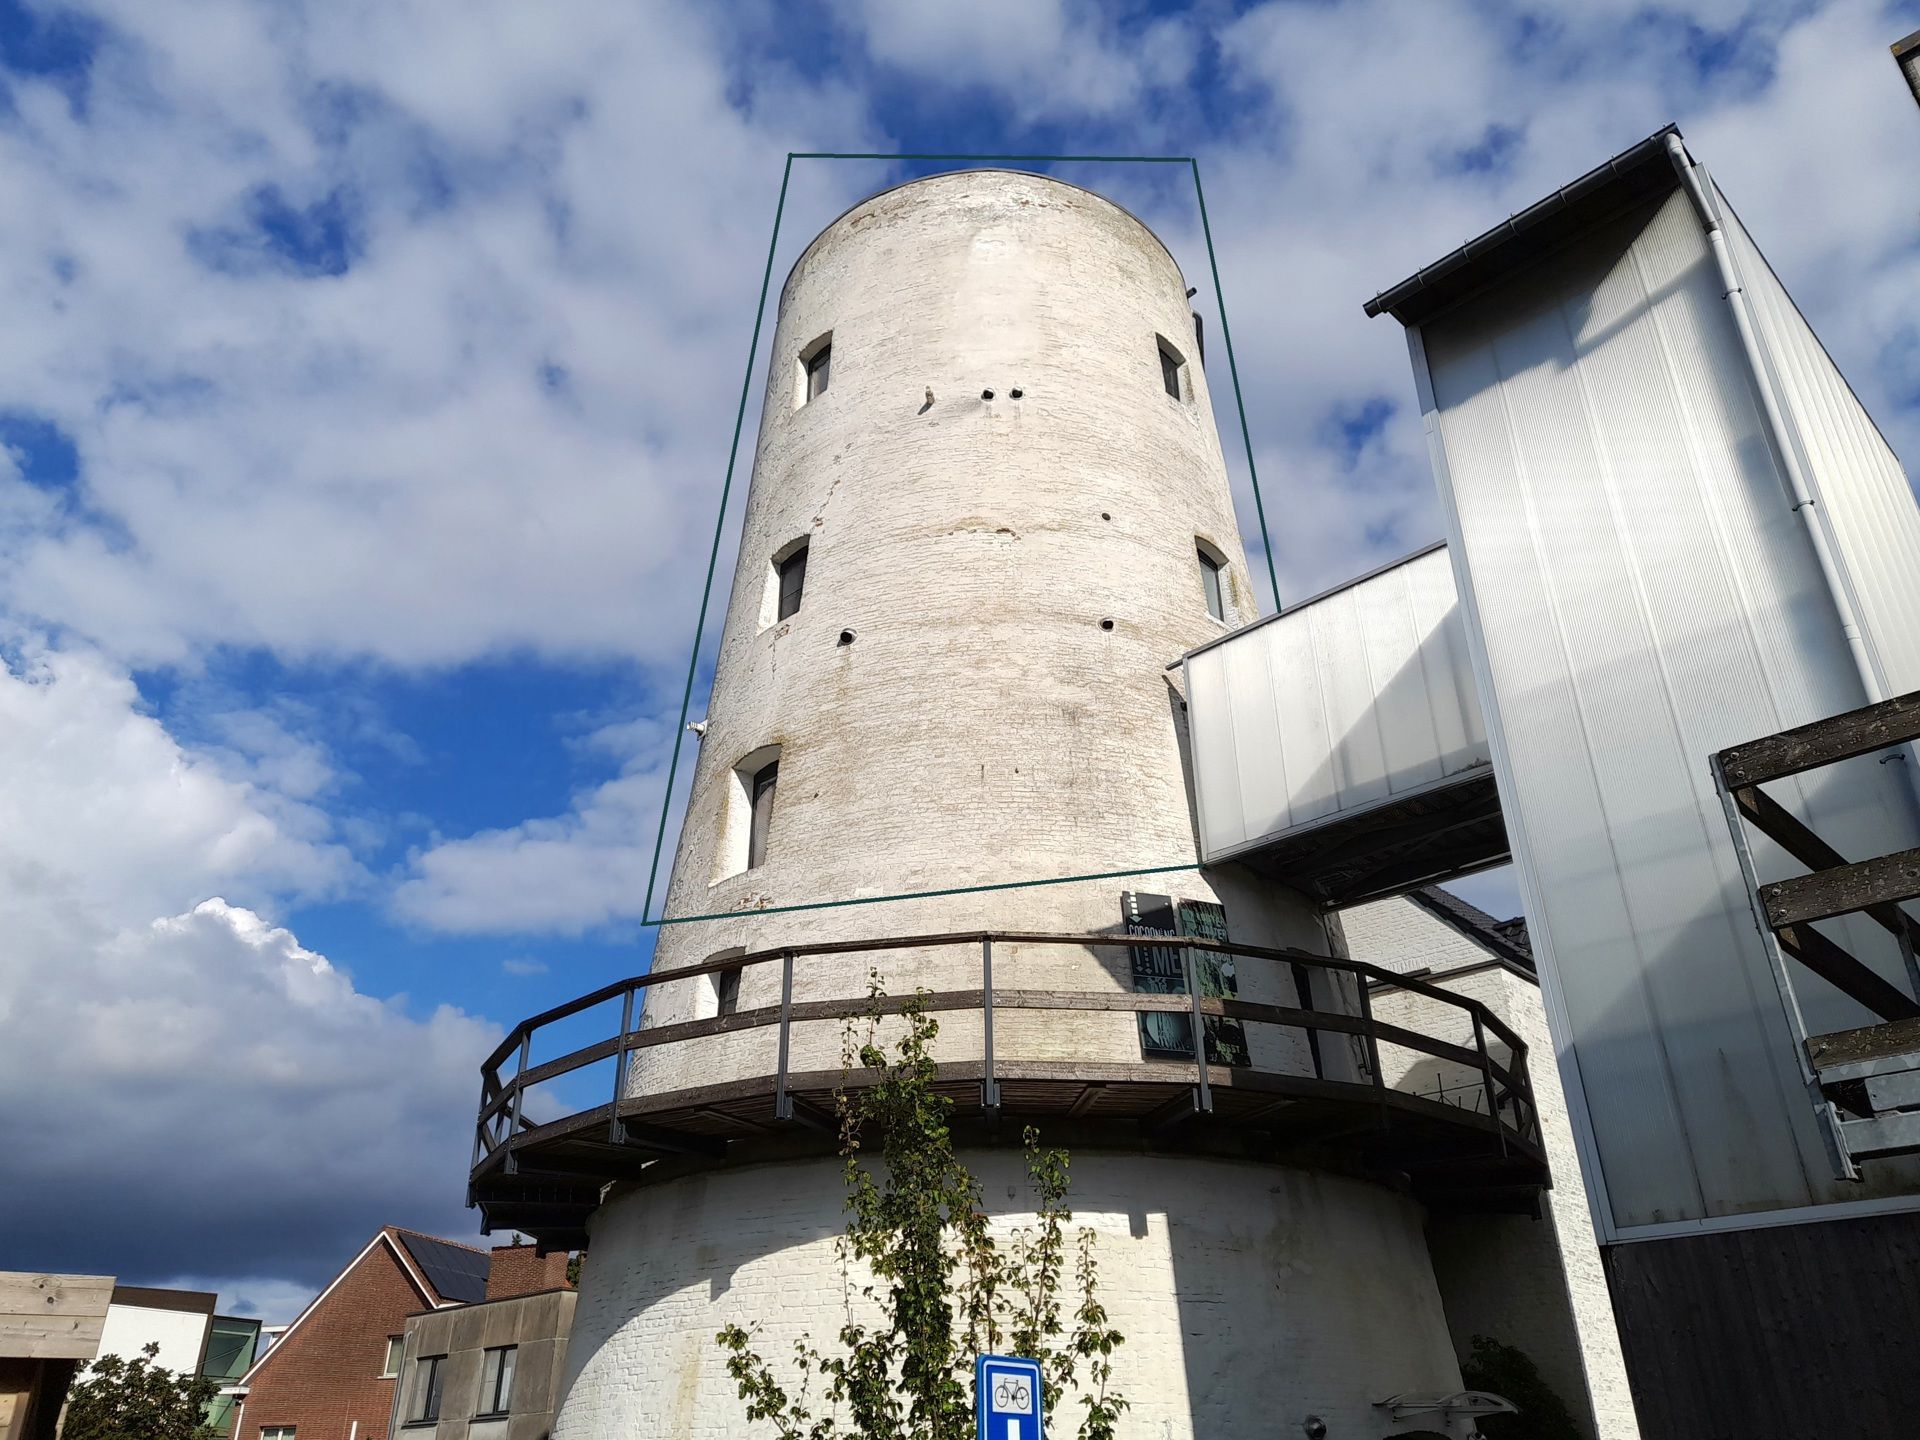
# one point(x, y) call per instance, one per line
point(816, 366)
point(793, 582)
point(1171, 364)
point(726, 988)
point(1212, 567)
point(760, 791)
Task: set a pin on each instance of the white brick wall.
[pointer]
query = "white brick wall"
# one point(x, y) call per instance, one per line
point(1535, 1284)
point(1251, 1296)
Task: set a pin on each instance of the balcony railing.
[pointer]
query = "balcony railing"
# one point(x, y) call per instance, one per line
point(542, 1173)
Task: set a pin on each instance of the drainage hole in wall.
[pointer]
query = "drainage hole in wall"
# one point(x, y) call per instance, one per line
point(1105, 516)
point(846, 637)
point(1016, 394)
point(1106, 624)
point(986, 394)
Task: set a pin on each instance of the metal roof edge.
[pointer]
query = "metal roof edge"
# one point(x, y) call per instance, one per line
point(1447, 266)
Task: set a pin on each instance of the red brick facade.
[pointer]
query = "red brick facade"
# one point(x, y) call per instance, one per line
point(324, 1375)
point(521, 1270)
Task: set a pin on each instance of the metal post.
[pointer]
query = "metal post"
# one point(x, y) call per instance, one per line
point(1203, 1091)
point(616, 1132)
point(782, 1105)
point(1486, 1082)
point(519, 1093)
point(989, 1086)
point(1824, 1113)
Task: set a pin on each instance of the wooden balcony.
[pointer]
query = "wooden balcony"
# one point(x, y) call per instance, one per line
point(543, 1173)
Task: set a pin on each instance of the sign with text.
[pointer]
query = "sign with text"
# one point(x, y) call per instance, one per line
point(1006, 1398)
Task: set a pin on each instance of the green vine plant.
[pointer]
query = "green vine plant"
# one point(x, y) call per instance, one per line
point(925, 1284)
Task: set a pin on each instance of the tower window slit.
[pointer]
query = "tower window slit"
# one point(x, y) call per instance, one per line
point(1171, 364)
point(793, 582)
point(1210, 571)
point(819, 366)
point(764, 781)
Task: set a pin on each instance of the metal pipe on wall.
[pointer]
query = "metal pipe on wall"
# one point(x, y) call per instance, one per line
point(1804, 504)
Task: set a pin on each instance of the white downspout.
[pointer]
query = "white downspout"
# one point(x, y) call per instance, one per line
point(1803, 501)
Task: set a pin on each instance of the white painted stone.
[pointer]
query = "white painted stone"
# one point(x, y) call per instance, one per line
point(985, 727)
point(1535, 1284)
point(1251, 1296)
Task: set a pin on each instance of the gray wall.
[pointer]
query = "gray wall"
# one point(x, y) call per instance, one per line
point(538, 1324)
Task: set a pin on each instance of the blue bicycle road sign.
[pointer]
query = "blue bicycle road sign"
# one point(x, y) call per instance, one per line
point(1007, 1398)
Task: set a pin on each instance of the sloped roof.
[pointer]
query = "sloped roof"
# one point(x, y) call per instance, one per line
point(457, 1272)
point(1506, 938)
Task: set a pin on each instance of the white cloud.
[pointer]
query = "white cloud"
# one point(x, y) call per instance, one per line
point(563, 874)
point(523, 966)
point(174, 1063)
point(486, 433)
point(1042, 57)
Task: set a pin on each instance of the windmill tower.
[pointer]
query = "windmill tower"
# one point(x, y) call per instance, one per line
point(988, 507)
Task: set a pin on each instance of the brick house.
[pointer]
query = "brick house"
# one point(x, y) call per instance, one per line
point(331, 1375)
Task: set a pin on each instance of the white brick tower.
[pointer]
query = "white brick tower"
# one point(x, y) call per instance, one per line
point(988, 507)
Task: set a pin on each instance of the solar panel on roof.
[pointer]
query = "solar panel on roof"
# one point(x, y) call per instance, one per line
point(455, 1271)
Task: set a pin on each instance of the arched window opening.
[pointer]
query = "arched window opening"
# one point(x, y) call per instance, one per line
point(1172, 368)
point(815, 369)
point(761, 788)
point(1213, 570)
point(746, 814)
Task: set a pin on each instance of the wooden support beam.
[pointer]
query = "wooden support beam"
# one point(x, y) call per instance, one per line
point(1785, 829)
point(1838, 737)
point(1085, 1100)
point(670, 1142)
point(1883, 880)
point(1846, 974)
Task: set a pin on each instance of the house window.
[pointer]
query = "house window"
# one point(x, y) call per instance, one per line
point(391, 1366)
point(276, 1432)
point(760, 793)
point(429, 1378)
point(1212, 569)
point(496, 1380)
point(1171, 364)
point(726, 988)
point(793, 581)
point(816, 366)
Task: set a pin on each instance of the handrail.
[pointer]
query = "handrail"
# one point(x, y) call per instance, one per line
point(617, 988)
point(1502, 1085)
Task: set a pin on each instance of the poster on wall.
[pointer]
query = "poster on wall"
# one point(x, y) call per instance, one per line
point(1161, 970)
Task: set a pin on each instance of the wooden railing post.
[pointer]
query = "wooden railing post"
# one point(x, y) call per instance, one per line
point(519, 1093)
point(1486, 1081)
point(1373, 1046)
point(782, 1102)
point(989, 1086)
point(1203, 1090)
point(616, 1132)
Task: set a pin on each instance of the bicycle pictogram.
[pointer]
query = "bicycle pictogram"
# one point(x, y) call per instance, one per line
point(1013, 1395)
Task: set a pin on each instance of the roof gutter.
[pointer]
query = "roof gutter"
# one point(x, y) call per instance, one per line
point(1429, 275)
point(1778, 431)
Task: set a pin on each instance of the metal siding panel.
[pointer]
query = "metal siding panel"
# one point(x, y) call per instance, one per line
point(1860, 485)
point(1353, 719)
point(1402, 702)
point(1299, 704)
point(1341, 703)
point(1216, 780)
point(1641, 603)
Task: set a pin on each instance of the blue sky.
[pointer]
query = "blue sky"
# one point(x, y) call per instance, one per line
point(366, 386)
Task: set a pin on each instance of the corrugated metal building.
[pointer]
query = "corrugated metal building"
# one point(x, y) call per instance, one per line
point(1672, 528)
